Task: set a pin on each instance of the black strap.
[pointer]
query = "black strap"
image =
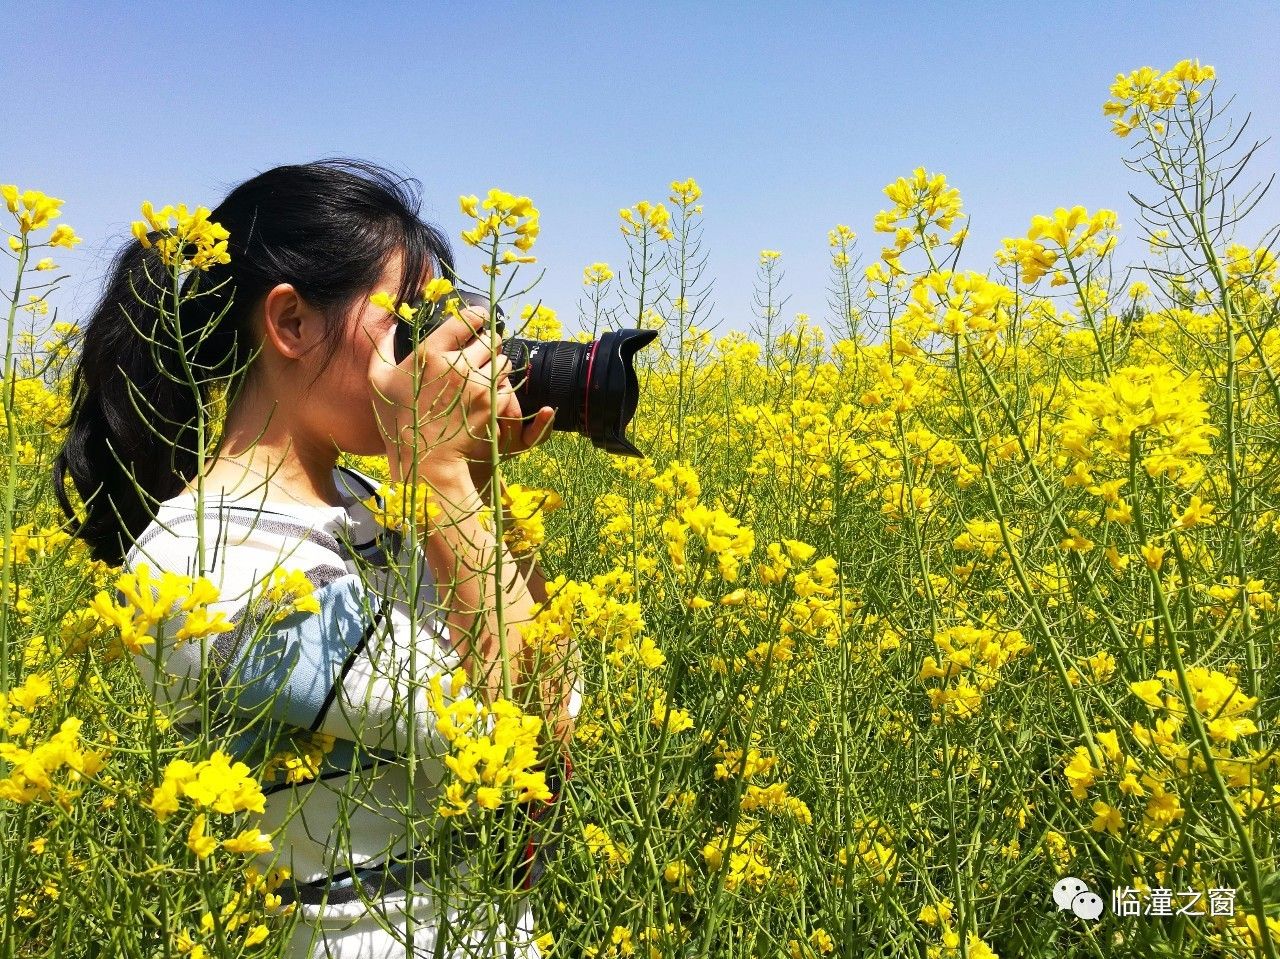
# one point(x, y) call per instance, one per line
point(381, 879)
point(385, 878)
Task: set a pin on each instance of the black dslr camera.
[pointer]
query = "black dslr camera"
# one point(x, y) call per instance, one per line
point(591, 386)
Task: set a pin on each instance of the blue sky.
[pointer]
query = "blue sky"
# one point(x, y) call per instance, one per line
point(791, 117)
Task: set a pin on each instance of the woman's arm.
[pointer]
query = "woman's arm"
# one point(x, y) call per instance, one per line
point(557, 682)
point(463, 555)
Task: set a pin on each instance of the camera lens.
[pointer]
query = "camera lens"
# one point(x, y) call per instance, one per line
point(592, 386)
point(551, 374)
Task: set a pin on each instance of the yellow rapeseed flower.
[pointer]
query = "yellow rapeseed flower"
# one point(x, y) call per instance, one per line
point(646, 216)
point(32, 208)
point(1146, 92)
point(198, 841)
point(289, 592)
point(216, 783)
point(403, 504)
point(183, 231)
point(684, 192)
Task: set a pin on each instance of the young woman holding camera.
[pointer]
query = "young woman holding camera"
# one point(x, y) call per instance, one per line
point(309, 244)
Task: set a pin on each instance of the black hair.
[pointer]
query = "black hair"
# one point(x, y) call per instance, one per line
point(328, 228)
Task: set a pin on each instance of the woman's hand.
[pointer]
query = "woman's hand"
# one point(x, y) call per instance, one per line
point(515, 436)
point(449, 419)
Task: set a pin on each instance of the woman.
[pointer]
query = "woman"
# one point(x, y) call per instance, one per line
point(309, 244)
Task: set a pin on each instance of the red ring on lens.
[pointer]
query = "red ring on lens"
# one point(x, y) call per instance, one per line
point(586, 393)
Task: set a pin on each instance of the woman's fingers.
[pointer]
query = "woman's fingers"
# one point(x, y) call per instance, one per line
point(516, 435)
point(538, 428)
point(457, 331)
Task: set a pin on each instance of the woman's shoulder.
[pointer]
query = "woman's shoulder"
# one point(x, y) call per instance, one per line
point(357, 483)
point(249, 525)
point(236, 530)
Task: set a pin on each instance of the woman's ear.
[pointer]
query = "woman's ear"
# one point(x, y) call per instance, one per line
point(288, 322)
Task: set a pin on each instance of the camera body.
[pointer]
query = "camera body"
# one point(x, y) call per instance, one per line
point(592, 386)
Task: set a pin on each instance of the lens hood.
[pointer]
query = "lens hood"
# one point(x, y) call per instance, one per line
point(613, 390)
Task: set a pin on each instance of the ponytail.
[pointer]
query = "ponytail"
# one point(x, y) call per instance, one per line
point(327, 228)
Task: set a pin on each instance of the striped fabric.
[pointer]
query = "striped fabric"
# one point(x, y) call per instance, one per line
point(357, 671)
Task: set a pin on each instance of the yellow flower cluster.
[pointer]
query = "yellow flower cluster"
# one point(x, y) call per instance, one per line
point(597, 611)
point(919, 202)
point(527, 508)
point(241, 910)
point(303, 765)
point(735, 764)
point(602, 847)
point(34, 210)
point(932, 915)
point(873, 855)
point(984, 536)
point(1216, 697)
point(1147, 91)
point(1244, 935)
point(1156, 406)
point(1246, 265)
point(679, 485)
point(1175, 764)
point(597, 274)
point(1225, 597)
point(746, 863)
point(30, 777)
point(503, 210)
point(972, 660)
point(724, 538)
point(183, 230)
point(949, 948)
point(36, 305)
point(249, 842)
point(816, 609)
point(540, 323)
point(387, 302)
point(215, 783)
point(1073, 233)
point(507, 209)
point(676, 720)
point(780, 559)
point(842, 239)
point(774, 798)
point(922, 196)
point(646, 216)
point(402, 504)
point(679, 875)
point(1162, 804)
point(942, 301)
point(812, 440)
point(685, 192)
point(900, 501)
point(819, 939)
point(288, 592)
point(622, 943)
point(1099, 667)
point(148, 604)
point(490, 767)
point(23, 699)
point(28, 545)
point(432, 292)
